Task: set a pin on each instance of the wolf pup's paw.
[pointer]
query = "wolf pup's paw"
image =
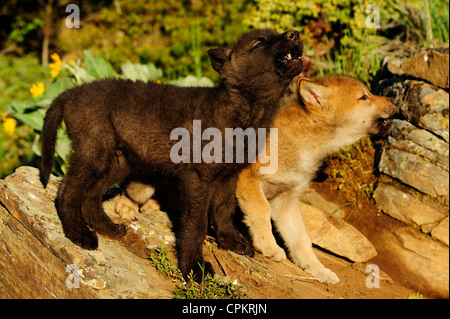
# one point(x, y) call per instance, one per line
point(275, 252)
point(125, 208)
point(110, 229)
point(84, 238)
point(235, 242)
point(269, 248)
point(150, 206)
point(323, 274)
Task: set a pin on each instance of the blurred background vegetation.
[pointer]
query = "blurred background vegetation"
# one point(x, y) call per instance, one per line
point(166, 41)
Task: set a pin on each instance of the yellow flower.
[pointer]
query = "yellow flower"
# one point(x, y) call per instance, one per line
point(8, 123)
point(56, 66)
point(37, 89)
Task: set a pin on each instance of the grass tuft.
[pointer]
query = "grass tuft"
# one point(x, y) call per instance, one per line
point(209, 288)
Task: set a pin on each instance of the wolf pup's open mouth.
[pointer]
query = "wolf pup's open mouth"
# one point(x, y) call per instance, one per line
point(383, 125)
point(294, 54)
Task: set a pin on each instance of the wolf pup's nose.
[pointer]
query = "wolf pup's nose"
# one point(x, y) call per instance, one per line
point(292, 35)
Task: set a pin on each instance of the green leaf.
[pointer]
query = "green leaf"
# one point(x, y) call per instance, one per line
point(56, 88)
point(80, 74)
point(155, 73)
point(21, 106)
point(99, 68)
point(33, 119)
point(191, 80)
point(63, 145)
point(142, 72)
point(35, 147)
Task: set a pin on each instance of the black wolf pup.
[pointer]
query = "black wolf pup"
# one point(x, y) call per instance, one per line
point(120, 128)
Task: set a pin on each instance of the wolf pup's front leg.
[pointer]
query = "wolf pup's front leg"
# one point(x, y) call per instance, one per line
point(257, 213)
point(223, 206)
point(289, 221)
point(195, 197)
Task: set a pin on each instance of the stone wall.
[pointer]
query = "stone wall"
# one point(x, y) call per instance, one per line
point(414, 163)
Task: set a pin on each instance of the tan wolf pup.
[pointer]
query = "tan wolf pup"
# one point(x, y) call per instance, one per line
point(318, 118)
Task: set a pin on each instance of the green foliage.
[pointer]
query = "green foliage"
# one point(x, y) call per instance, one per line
point(439, 11)
point(209, 288)
point(352, 48)
point(13, 150)
point(160, 260)
point(98, 68)
point(362, 62)
point(350, 172)
point(20, 28)
point(171, 35)
point(191, 80)
point(16, 77)
point(29, 113)
point(348, 17)
point(142, 72)
point(416, 295)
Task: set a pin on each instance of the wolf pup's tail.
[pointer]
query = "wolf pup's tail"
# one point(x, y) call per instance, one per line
point(53, 119)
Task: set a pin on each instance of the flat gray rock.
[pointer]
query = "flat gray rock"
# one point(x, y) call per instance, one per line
point(38, 261)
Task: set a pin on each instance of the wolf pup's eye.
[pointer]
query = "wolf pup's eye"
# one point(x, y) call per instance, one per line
point(364, 97)
point(258, 43)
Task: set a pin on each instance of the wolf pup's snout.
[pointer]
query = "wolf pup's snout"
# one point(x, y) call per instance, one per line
point(384, 122)
point(393, 106)
point(288, 49)
point(292, 35)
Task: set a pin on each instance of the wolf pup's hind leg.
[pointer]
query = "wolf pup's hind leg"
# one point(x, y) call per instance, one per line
point(92, 209)
point(69, 200)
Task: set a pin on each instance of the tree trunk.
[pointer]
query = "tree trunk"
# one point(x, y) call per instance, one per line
point(47, 31)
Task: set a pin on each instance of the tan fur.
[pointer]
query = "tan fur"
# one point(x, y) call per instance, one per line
point(141, 195)
point(317, 119)
point(307, 133)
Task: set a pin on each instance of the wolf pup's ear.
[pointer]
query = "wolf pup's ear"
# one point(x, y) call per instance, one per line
point(218, 58)
point(312, 94)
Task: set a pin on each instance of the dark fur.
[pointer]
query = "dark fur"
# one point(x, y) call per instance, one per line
point(120, 128)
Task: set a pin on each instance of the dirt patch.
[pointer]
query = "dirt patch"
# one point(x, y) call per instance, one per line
point(267, 279)
point(264, 278)
point(373, 224)
point(348, 179)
